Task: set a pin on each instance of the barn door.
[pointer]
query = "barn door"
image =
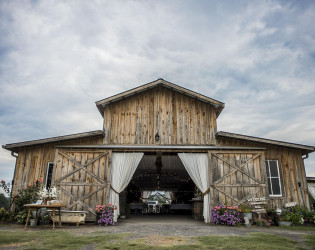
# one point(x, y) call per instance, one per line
point(83, 178)
point(237, 176)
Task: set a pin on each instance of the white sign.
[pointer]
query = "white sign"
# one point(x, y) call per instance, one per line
point(260, 211)
point(257, 199)
point(291, 204)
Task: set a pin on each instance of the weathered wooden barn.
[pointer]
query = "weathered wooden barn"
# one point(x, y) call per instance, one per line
point(160, 133)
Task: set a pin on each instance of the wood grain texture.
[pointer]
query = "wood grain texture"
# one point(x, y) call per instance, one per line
point(291, 167)
point(178, 119)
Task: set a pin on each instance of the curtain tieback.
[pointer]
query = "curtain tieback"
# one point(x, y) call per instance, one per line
point(114, 189)
point(206, 192)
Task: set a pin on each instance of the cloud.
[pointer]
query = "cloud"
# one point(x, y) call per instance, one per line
point(58, 57)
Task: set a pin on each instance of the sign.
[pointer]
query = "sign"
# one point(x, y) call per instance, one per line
point(257, 199)
point(290, 204)
point(258, 206)
point(260, 211)
point(258, 203)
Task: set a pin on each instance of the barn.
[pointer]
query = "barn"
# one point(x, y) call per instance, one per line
point(161, 136)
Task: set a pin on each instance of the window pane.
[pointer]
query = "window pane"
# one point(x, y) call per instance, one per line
point(267, 168)
point(273, 168)
point(275, 186)
point(269, 186)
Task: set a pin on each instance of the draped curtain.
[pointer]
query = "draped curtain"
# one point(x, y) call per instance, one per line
point(145, 195)
point(123, 167)
point(311, 189)
point(169, 195)
point(197, 168)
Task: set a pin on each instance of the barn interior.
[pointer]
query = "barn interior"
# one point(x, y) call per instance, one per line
point(159, 186)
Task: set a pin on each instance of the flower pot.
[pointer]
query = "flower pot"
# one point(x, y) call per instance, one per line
point(284, 223)
point(248, 215)
point(32, 222)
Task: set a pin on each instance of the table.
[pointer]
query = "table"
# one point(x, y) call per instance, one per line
point(36, 207)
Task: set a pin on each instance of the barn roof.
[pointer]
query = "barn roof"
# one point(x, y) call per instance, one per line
point(304, 148)
point(159, 82)
point(12, 146)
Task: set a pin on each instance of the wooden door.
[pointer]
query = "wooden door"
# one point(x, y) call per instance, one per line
point(236, 177)
point(83, 176)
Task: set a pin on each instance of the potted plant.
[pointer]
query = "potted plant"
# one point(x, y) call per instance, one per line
point(246, 211)
point(263, 223)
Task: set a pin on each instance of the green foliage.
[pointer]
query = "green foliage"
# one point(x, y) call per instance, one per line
point(27, 195)
point(308, 216)
point(5, 186)
point(5, 216)
point(21, 216)
point(4, 201)
point(245, 208)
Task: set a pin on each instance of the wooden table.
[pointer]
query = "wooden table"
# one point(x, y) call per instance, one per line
point(36, 207)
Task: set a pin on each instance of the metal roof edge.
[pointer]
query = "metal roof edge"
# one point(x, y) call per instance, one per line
point(150, 147)
point(54, 139)
point(266, 141)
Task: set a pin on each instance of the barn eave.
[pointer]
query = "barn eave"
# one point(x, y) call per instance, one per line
point(13, 146)
point(304, 148)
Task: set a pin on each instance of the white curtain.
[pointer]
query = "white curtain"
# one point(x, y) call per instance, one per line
point(169, 195)
point(123, 167)
point(311, 189)
point(197, 168)
point(145, 195)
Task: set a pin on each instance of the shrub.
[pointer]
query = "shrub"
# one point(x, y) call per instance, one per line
point(27, 195)
point(225, 215)
point(105, 214)
point(5, 215)
point(263, 222)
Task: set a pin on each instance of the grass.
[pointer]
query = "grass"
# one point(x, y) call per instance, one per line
point(298, 228)
point(66, 240)
point(310, 240)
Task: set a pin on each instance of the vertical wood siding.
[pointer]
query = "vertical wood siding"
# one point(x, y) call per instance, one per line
point(236, 176)
point(178, 119)
point(32, 161)
point(291, 167)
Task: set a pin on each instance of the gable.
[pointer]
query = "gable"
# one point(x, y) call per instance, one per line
point(159, 83)
point(175, 117)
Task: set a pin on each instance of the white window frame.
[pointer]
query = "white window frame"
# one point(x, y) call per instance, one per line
point(279, 178)
point(48, 164)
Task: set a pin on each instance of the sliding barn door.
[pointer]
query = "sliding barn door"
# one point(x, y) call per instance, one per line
point(236, 177)
point(83, 178)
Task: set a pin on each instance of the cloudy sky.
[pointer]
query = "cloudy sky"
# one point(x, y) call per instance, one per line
point(58, 57)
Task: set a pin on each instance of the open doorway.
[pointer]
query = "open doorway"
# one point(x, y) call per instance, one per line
point(160, 186)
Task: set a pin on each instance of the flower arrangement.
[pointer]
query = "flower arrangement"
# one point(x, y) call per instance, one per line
point(105, 214)
point(245, 208)
point(263, 222)
point(51, 193)
point(225, 215)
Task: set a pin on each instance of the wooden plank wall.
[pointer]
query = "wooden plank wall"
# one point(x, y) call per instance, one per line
point(177, 118)
point(81, 183)
point(32, 161)
point(234, 189)
point(292, 171)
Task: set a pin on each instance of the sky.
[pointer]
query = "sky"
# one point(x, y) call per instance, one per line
point(57, 58)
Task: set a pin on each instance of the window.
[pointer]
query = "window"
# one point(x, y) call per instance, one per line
point(50, 168)
point(273, 177)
